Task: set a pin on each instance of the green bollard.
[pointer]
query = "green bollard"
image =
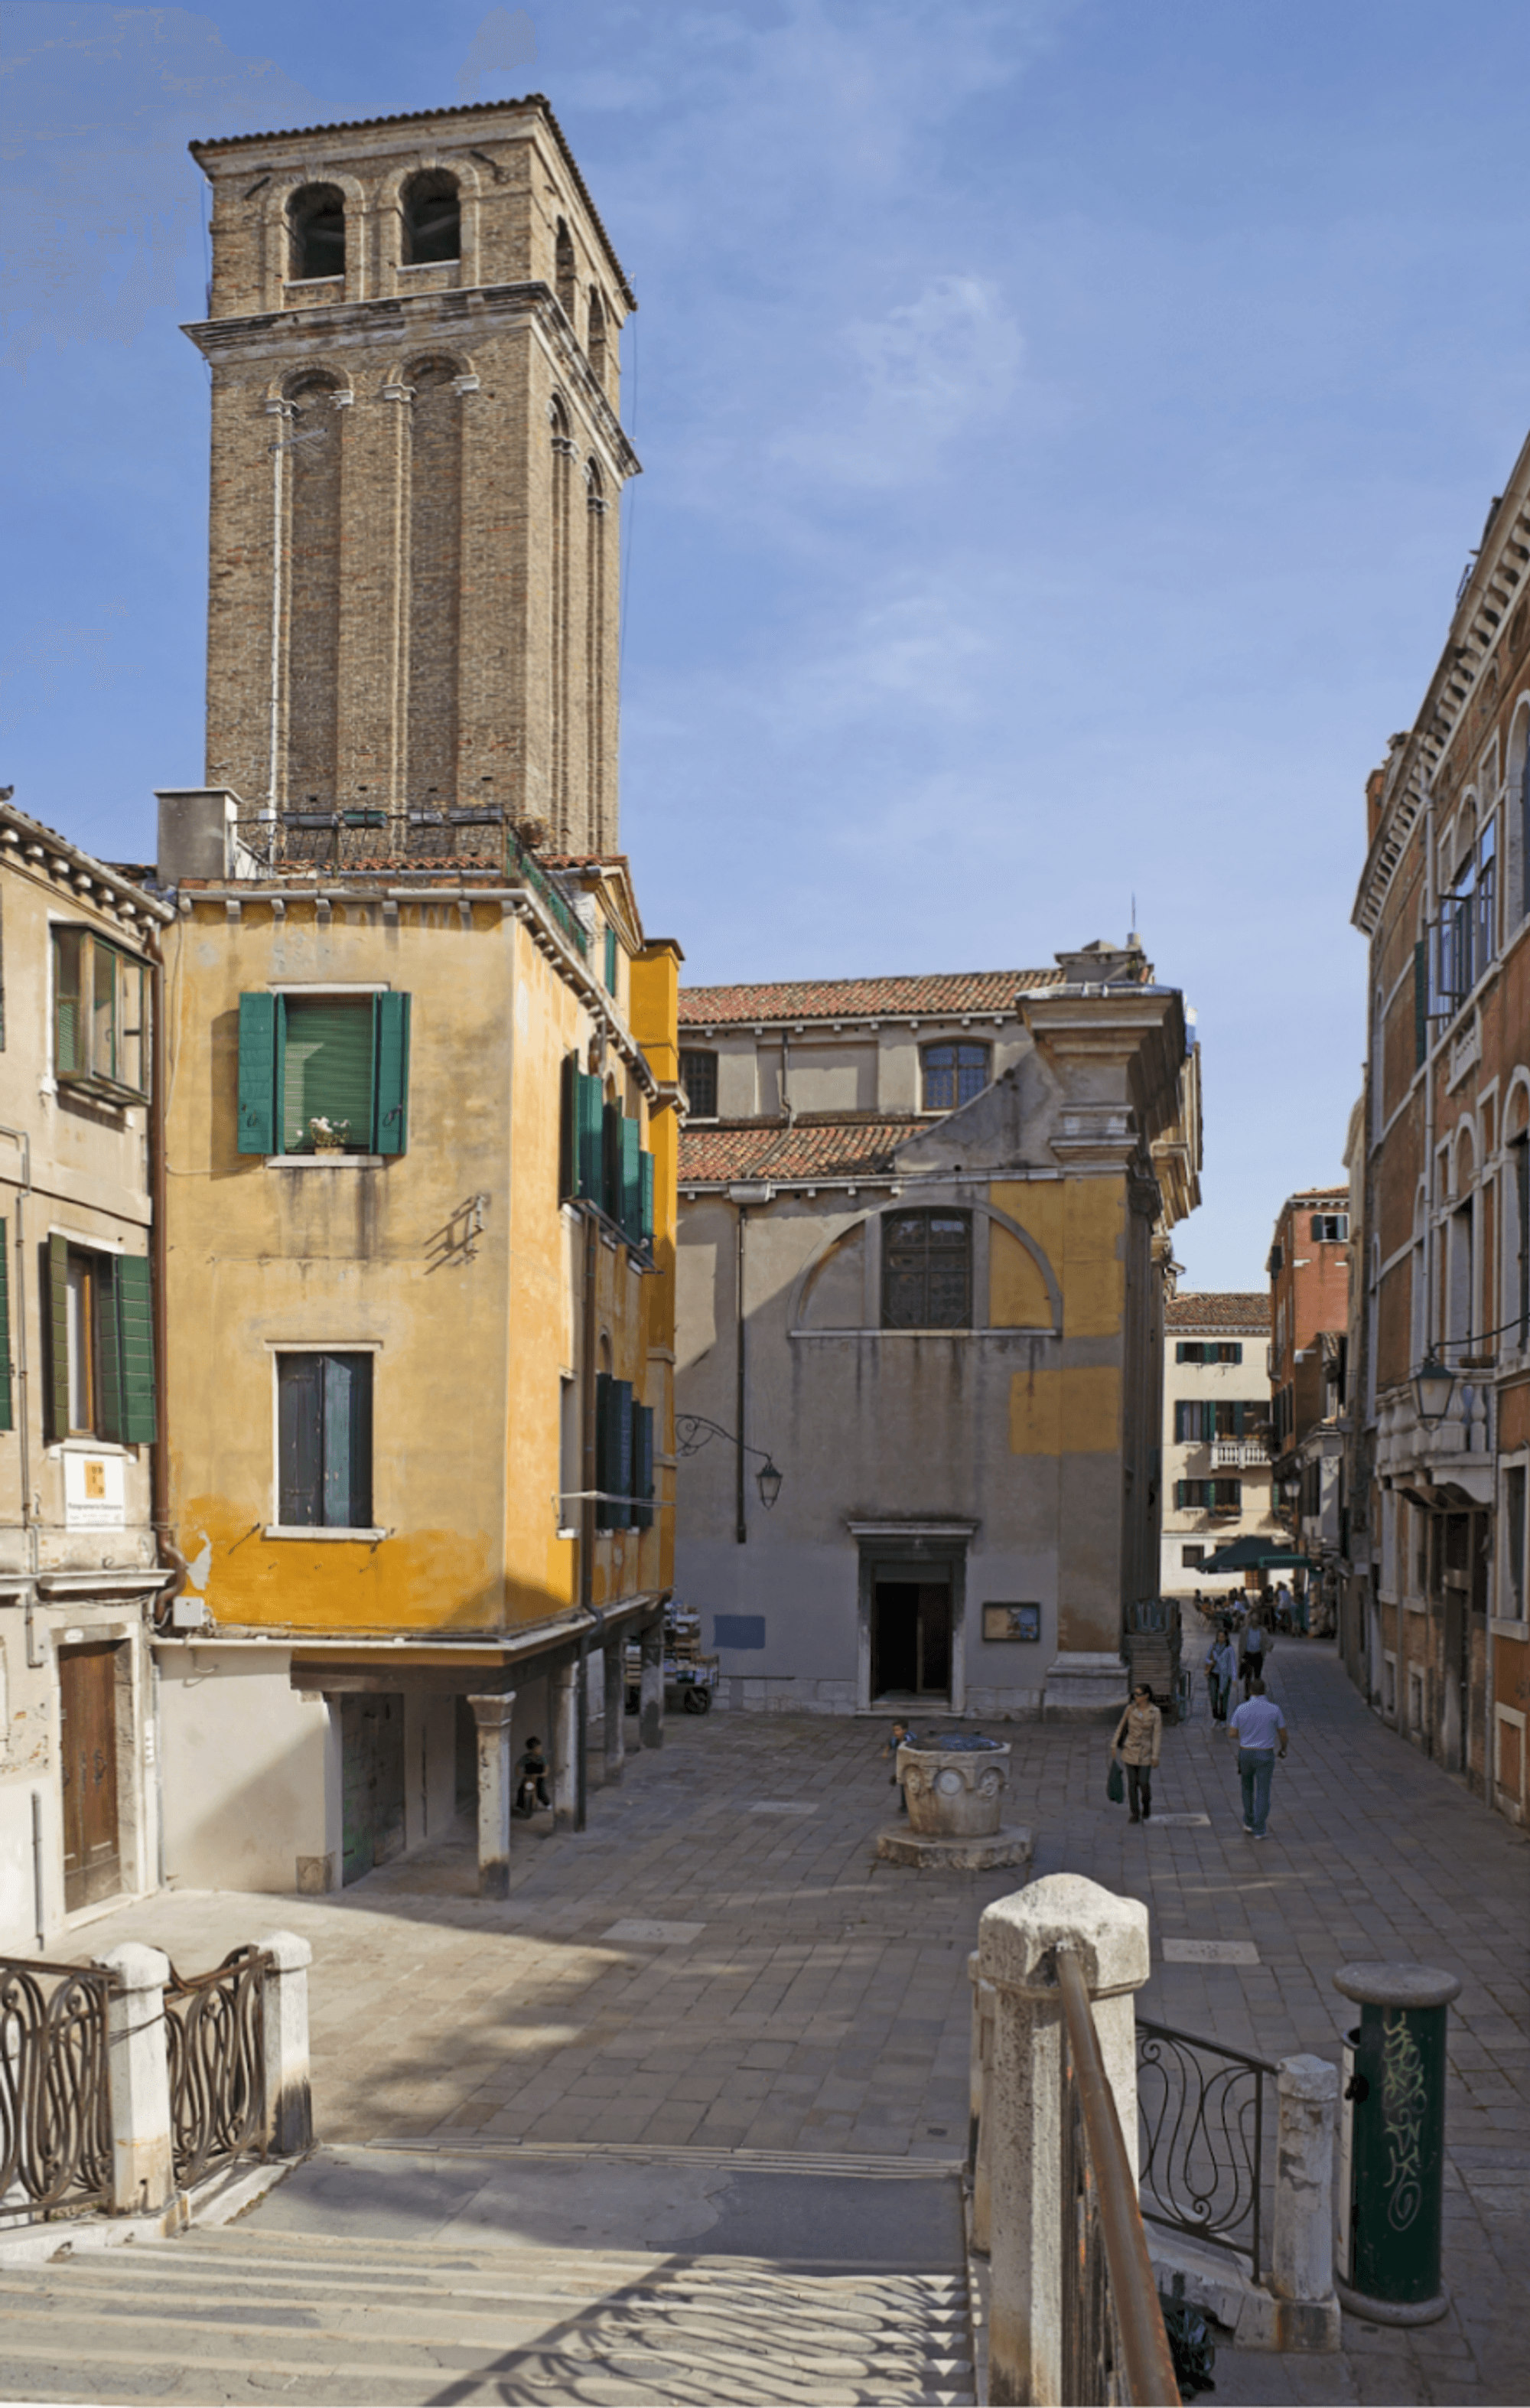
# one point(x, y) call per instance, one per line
point(1392, 2175)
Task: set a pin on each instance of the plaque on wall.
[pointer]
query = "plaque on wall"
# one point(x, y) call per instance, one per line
point(1011, 1622)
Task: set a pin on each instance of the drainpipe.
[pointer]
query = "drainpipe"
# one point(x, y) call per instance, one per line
point(587, 1504)
point(23, 1287)
point(740, 1531)
point(159, 1453)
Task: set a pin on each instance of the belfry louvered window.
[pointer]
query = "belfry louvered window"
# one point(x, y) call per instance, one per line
point(926, 1270)
point(323, 1073)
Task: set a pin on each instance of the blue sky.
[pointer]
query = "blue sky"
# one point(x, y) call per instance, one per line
point(1065, 425)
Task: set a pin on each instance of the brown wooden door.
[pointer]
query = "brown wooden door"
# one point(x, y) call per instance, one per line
point(88, 1769)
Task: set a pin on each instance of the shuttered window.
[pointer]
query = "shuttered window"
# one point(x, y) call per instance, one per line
point(100, 1346)
point(601, 1156)
point(642, 1466)
point(7, 1422)
point(926, 1270)
point(1207, 1496)
point(316, 1067)
point(613, 1452)
point(610, 961)
point(324, 1441)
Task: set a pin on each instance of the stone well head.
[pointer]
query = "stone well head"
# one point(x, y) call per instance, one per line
point(955, 1794)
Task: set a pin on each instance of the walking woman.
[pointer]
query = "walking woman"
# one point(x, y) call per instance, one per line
point(1221, 1666)
point(1139, 1735)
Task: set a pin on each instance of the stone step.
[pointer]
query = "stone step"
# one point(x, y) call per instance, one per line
point(335, 2320)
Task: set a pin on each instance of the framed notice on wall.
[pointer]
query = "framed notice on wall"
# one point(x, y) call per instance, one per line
point(1011, 1622)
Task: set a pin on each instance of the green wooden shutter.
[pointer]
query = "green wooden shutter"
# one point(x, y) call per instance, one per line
point(58, 1338)
point(645, 1222)
point(326, 1068)
point(257, 1074)
point(610, 961)
point(613, 1450)
point(347, 1477)
point(621, 1432)
point(567, 1126)
point(300, 1440)
point(108, 1351)
point(1421, 1001)
point(590, 1136)
point(642, 1466)
point(610, 1161)
point(6, 1419)
point(632, 1182)
point(134, 1315)
point(391, 1084)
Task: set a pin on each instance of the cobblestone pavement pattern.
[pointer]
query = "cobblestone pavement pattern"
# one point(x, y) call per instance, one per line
point(719, 1962)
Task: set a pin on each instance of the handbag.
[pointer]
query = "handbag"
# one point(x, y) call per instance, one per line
point(1115, 1785)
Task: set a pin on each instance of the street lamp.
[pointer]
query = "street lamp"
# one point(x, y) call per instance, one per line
point(1433, 1382)
point(692, 1432)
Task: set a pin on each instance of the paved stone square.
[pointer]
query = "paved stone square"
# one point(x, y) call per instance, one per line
point(823, 2003)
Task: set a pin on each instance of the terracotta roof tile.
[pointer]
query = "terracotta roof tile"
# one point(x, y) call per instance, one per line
point(812, 1148)
point(1219, 1309)
point(1337, 1194)
point(942, 995)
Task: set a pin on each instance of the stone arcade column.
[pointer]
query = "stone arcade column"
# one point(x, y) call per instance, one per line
point(615, 1706)
point(564, 1691)
point(1018, 1940)
point(497, 1788)
point(650, 1700)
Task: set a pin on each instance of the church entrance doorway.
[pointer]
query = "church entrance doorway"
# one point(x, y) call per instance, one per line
point(910, 1636)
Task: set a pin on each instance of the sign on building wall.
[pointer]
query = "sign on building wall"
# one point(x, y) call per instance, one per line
point(93, 1492)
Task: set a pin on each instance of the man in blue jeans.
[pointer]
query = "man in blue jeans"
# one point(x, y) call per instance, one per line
point(1257, 1727)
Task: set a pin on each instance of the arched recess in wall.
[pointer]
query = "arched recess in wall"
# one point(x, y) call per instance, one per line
point(430, 220)
point(434, 584)
point(563, 270)
point(596, 347)
point(1023, 1291)
point(316, 227)
point(596, 512)
point(310, 688)
point(559, 603)
point(1517, 813)
point(1514, 1214)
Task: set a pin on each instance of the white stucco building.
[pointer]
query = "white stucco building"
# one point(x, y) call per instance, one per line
point(1216, 1470)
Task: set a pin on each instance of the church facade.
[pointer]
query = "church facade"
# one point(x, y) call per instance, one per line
point(923, 1242)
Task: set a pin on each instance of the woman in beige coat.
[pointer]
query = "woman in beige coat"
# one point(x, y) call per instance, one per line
point(1139, 1735)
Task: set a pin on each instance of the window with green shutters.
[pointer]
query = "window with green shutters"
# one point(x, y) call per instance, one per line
point(6, 1421)
point(613, 1452)
point(642, 1466)
point(314, 1068)
point(610, 961)
point(100, 1346)
point(324, 1441)
point(602, 1158)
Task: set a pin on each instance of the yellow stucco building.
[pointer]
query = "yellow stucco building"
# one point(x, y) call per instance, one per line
point(421, 1060)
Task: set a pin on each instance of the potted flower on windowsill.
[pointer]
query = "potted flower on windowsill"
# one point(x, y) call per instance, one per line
point(327, 1136)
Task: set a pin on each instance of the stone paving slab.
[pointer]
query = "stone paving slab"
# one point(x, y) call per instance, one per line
point(823, 2004)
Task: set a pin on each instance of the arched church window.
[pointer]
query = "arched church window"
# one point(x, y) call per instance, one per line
point(563, 268)
point(597, 335)
point(926, 1270)
point(431, 219)
point(316, 217)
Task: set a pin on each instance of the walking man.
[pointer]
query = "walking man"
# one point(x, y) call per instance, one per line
point(1139, 1735)
point(1221, 1664)
point(1259, 1730)
point(1256, 1646)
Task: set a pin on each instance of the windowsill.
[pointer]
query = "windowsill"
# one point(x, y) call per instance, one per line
point(939, 1330)
point(315, 284)
point(321, 1530)
point(82, 1443)
point(1504, 1626)
point(417, 266)
point(567, 1534)
point(100, 1090)
point(325, 1161)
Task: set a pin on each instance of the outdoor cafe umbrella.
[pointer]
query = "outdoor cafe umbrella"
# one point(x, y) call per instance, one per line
point(1257, 1555)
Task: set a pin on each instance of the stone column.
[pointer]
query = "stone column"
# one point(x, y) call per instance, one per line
point(1302, 2259)
point(615, 1706)
point(497, 1788)
point(1018, 1939)
point(289, 2107)
point(650, 1700)
point(563, 1690)
point(143, 2177)
point(979, 2121)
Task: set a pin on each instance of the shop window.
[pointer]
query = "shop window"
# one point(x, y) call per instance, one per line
point(323, 1073)
point(952, 1075)
point(926, 1270)
point(324, 1441)
point(100, 1017)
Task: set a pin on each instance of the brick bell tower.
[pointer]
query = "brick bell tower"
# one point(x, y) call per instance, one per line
point(417, 455)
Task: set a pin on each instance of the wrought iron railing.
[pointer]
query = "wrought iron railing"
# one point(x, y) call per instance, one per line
point(55, 2113)
point(1204, 2115)
point(214, 2031)
point(1114, 2345)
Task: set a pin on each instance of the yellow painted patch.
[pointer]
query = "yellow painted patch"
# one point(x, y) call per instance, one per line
point(1065, 1411)
point(1016, 1292)
point(1080, 1226)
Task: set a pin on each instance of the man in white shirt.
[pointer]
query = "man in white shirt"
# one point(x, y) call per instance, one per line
point(1258, 1727)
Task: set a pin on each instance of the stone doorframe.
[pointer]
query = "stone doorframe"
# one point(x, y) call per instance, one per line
point(889, 1550)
